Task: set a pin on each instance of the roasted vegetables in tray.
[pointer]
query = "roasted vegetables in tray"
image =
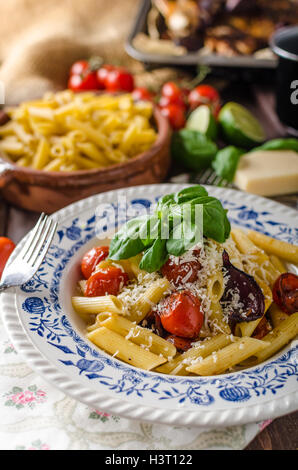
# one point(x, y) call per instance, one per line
point(225, 27)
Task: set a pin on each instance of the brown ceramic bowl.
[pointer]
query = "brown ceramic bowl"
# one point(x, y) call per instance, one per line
point(42, 191)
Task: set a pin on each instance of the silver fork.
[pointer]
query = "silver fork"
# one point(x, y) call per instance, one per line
point(27, 262)
point(210, 177)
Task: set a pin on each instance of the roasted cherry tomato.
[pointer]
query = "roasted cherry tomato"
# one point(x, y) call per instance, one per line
point(92, 259)
point(285, 293)
point(86, 81)
point(108, 281)
point(119, 79)
point(181, 344)
point(175, 115)
point(79, 67)
point(102, 75)
point(204, 94)
point(142, 94)
point(181, 315)
point(6, 248)
point(180, 273)
point(153, 322)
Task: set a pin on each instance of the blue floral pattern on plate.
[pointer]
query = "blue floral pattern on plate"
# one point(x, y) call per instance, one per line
point(46, 319)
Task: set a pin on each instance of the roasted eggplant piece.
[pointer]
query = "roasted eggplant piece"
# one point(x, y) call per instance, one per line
point(243, 299)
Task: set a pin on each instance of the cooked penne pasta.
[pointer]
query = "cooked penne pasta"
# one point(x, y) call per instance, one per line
point(257, 262)
point(124, 349)
point(228, 357)
point(94, 305)
point(206, 310)
point(277, 316)
point(215, 287)
point(149, 299)
point(278, 264)
point(281, 249)
point(139, 335)
point(178, 365)
point(281, 335)
point(217, 318)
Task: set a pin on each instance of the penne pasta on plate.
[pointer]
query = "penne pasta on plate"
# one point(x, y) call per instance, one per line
point(209, 301)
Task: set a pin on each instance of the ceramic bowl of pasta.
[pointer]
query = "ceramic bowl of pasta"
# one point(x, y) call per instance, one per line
point(64, 147)
point(187, 324)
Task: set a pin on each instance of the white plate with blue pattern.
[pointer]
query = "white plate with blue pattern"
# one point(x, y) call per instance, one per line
point(47, 332)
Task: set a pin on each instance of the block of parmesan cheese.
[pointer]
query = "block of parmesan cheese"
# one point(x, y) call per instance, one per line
point(268, 172)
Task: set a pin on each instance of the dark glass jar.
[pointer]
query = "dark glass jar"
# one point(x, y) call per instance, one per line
point(285, 44)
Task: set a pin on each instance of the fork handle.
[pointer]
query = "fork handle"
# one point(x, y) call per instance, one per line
point(3, 287)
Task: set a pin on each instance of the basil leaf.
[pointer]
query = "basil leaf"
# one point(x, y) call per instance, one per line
point(279, 144)
point(227, 226)
point(155, 256)
point(150, 230)
point(166, 201)
point(192, 149)
point(188, 194)
point(226, 162)
point(126, 242)
point(179, 241)
point(215, 222)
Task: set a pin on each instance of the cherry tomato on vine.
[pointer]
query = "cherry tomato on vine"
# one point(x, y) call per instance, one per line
point(285, 293)
point(175, 115)
point(92, 258)
point(6, 248)
point(181, 315)
point(86, 81)
point(79, 67)
point(165, 101)
point(119, 79)
point(102, 75)
point(142, 94)
point(180, 273)
point(171, 91)
point(108, 281)
point(204, 94)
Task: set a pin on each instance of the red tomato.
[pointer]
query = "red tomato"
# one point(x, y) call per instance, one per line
point(175, 115)
point(92, 259)
point(142, 94)
point(152, 321)
point(180, 273)
point(119, 79)
point(83, 82)
point(204, 94)
point(102, 75)
point(181, 315)
point(6, 248)
point(285, 293)
point(171, 91)
point(80, 67)
point(181, 344)
point(108, 281)
point(166, 101)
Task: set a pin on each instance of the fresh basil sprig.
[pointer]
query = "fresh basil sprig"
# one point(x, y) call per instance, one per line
point(133, 237)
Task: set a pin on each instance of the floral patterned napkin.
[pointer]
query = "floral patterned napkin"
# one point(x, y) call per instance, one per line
point(36, 416)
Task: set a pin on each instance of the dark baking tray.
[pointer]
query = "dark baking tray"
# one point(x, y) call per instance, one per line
point(190, 59)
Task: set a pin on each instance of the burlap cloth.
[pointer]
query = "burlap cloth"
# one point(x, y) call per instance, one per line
point(40, 39)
